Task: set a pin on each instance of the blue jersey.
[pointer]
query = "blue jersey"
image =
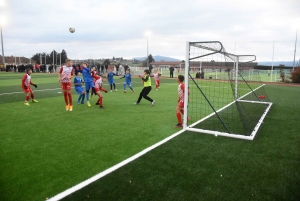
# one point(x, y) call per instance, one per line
point(86, 74)
point(127, 78)
point(110, 77)
point(77, 82)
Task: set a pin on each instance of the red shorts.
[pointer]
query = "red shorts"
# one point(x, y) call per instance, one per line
point(181, 104)
point(97, 89)
point(27, 90)
point(157, 81)
point(66, 86)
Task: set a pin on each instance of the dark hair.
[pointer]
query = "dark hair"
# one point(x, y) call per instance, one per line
point(28, 69)
point(76, 72)
point(147, 71)
point(181, 78)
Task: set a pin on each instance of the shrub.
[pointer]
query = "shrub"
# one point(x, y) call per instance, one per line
point(296, 75)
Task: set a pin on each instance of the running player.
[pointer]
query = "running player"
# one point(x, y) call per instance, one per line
point(156, 76)
point(147, 88)
point(78, 87)
point(64, 76)
point(26, 82)
point(127, 77)
point(98, 89)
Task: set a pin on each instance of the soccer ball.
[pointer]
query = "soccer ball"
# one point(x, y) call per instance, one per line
point(72, 29)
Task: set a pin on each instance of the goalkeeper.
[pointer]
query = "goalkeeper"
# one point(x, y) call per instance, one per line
point(26, 82)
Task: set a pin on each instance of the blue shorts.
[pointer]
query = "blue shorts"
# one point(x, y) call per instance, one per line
point(111, 81)
point(79, 90)
point(129, 83)
point(89, 85)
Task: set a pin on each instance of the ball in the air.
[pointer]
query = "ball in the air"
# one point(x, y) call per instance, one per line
point(72, 29)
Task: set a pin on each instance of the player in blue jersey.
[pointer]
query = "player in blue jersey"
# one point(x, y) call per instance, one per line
point(78, 87)
point(88, 81)
point(127, 77)
point(110, 77)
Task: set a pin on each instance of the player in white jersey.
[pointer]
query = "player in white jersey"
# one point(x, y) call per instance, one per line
point(180, 106)
point(26, 82)
point(156, 76)
point(64, 76)
point(98, 88)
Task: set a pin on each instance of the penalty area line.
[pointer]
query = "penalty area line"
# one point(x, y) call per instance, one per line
point(111, 169)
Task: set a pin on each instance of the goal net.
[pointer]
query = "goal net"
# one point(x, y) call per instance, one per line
point(223, 92)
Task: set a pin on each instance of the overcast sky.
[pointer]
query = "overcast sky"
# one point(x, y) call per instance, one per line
point(117, 27)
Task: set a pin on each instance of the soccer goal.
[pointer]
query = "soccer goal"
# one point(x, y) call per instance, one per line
point(224, 95)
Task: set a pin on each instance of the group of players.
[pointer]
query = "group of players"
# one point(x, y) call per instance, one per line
point(94, 83)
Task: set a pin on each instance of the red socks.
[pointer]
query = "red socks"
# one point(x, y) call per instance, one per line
point(100, 100)
point(32, 96)
point(179, 118)
point(70, 98)
point(66, 97)
point(27, 98)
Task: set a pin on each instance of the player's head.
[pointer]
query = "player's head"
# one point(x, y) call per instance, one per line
point(93, 68)
point(127, 71)
point(28, 71)
point(77, 73)
point(69, 62)
point(155, 70)
point(103, 78)
point(84, 65)
point(180, 78)
point(110, 69)
point(146, 72)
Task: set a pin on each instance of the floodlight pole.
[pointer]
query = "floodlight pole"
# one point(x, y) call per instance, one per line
point(294, 50)
point(3, 59)
point(147, 54)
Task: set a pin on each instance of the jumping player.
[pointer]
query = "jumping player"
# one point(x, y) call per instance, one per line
point(110, 77)
point(64, 76)
point(88, 81)
point(180, 106)
point(147, 88)
point(156, 76)
point(26, 82)
point(78, 87)
point(98, 89)
point(127, 77)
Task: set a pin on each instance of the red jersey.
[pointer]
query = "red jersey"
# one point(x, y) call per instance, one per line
point(181, 92)
point(26, 80)
point(94, 75)
point(66, 74)
point(156, 76)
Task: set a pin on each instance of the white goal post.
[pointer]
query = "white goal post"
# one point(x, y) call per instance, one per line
point(234, 77)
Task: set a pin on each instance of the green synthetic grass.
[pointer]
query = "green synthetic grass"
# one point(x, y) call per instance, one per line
point(196, 166)
point(45, 150)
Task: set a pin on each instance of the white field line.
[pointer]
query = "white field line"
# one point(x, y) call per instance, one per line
point(21, 92)
point(111, 169)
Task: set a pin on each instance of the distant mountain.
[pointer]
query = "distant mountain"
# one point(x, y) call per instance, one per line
point(157, 58)
point(277, 63)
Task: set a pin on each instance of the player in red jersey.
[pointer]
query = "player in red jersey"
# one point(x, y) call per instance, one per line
point(180, 106)
point(64, 76)
point(98, 88)
point(26, 82)
point(156, 76)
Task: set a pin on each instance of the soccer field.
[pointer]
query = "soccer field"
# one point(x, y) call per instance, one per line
point(46, 150)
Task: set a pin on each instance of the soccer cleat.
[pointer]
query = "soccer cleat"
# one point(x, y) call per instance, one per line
point(97, 103)
point(70, 108)
point(124, 91)
point(178, 125)
point(26, 103)
point(101, 107)
point(67, 107)
point(152, 103)
point(110, 90)
point(34, 101)
point(132, 91)
point(116, 89)
point(88, 103)
point(78, 102)
point(136, 103)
